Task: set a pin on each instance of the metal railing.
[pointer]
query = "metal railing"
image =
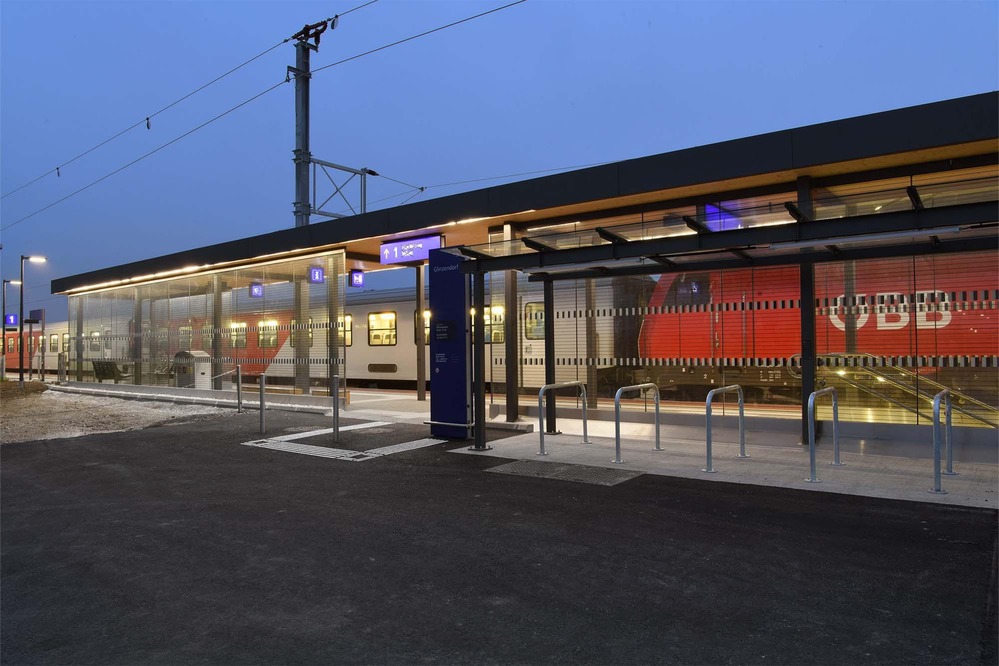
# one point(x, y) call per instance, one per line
point(811, 431)
point(742, 422)
point(949, 441)
point(617, 416)
point(541, 410)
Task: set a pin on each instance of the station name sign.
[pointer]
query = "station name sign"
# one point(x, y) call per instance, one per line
point(410, 249)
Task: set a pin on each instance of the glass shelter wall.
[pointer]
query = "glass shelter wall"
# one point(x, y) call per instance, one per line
point(687, 332)
point(284, 319)
point(892, 333)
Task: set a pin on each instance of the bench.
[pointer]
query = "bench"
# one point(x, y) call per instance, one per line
point(108, 370)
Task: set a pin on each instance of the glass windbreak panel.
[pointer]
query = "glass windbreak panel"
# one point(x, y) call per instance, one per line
point(703, 330)
point(892, 333)
point(381, 329)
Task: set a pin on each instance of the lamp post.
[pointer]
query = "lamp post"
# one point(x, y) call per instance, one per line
point(3, 361)
point(20, 318)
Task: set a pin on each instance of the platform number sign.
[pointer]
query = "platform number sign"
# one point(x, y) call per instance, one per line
point(356, 278)
point(317, 275)
point(256, 290)
point(10, 320)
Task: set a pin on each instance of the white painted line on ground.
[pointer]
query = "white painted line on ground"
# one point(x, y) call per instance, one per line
point(281, 444)
point(326, 431)
point(405, 446)
point(291, 447)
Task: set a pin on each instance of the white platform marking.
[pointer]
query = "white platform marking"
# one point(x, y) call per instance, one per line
point(285, 443)
point(326, 431)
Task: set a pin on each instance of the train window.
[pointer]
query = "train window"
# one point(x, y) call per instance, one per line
point(54, 342)
point(10, 344)
point(107, 338)
point(186, 334)
point(95, 341)
point(237, 334)
point(534, 320)
point(493, 319)
point(426, 326)
point(344, 332)
point(65, 343)
point(267, 337)
point(381, 329)
point(301, 335)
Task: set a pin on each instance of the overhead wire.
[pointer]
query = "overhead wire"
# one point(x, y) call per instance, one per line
point(422, 34)
point(145, 120)
point(151, 152)
point(261, 94)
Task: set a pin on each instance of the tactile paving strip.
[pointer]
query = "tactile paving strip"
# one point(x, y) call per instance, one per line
point(600, 476)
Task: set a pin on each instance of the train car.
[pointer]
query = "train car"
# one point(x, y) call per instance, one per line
point(932, 316)
point(687, 332)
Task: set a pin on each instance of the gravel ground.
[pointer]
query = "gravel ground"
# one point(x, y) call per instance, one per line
point(55, 415)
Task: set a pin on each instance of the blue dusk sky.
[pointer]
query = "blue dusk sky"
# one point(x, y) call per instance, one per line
point(538, 86)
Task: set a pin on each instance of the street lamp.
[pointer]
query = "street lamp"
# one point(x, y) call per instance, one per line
point(3, 352)
point(20, 319)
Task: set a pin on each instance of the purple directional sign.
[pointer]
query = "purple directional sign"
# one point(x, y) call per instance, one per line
point(256, 290)
point(410, 249)
point(356, 278)
point(317, 275)
point(10, 320)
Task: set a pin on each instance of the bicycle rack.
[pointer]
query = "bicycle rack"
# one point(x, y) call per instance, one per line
point(541, 410)
point(742, 422)
point(942, 396)
point(617, 416)
point(811, 431)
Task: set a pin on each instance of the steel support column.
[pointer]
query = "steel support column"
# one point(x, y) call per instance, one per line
point(137, 336)
point(510, 338)
point(479, 360)
point(549, 289)
point(591, 343)
point(300, 336)
point(216, 332)
point(302, 157)
point(806, 279)
point(421, 337)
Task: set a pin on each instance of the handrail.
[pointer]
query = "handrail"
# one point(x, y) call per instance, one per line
point(617, 416)
point(811, 431)
point(541, 410)
point(742, 422)
point(945, 396)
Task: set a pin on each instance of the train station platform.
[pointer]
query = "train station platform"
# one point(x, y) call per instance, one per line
point(891, 469)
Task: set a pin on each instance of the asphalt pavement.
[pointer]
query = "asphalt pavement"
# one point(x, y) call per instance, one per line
point(182, 544)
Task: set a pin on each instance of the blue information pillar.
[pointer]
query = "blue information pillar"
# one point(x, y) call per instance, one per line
point(450, 347)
